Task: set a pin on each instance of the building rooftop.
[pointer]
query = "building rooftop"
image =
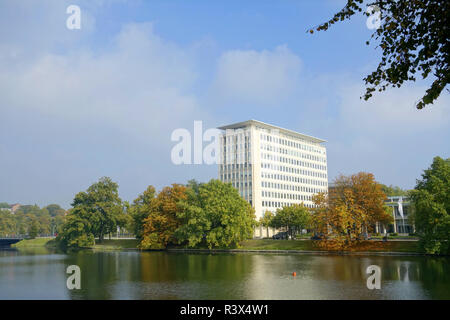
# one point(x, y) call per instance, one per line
point(271, 127)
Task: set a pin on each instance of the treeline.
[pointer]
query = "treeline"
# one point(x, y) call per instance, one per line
point(210, 214)
point(31, 220)
point(214, 215)
point(355, 204)
point(349, 211)
point(393, 191)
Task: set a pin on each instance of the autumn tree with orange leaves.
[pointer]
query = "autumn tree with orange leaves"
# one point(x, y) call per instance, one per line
point(350, 210)
point(162, 221)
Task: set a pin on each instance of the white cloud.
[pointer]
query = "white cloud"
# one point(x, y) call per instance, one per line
point(392, 111)
point(257, 76)
point(385, 135)
point(141, 85)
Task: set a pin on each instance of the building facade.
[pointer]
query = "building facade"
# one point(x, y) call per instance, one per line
point(272, 167)
point(401, 211)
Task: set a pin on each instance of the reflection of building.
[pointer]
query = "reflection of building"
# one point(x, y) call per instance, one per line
point(272, 167)
point(400, 211)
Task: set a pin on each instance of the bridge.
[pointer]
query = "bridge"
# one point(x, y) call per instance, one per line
point(6, 242)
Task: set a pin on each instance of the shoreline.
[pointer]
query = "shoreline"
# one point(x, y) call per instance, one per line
point(306, 252)
point(296, 247)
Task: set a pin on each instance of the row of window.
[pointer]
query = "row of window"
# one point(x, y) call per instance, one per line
point(287, 196)
point(295, 162)
point(288, 143)
point(235, 166)
point(241, 158)
point(297, 188)
point(236, 135)
point(292, 178)
point(235, 176)
point(234, 148)
point(293, 153)
point(276, 204)
point(241, 185)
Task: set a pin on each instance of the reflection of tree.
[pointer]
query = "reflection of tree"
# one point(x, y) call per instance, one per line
point(432, 273)
point(336, 268)
point(99, 271)
point(170, 267)
point(435, 276)
point(159, 275)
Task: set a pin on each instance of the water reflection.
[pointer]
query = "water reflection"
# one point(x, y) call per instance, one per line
point(41, 274)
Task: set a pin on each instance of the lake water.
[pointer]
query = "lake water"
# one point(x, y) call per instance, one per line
point(41, 274)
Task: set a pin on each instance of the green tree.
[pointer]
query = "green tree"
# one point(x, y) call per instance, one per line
point(55, 210)
point(101, 206)
point(413, 37)
point(22, 223)
point(216, 215)
point(7, 223)
point(140, 209)
point(44, 219)
point(392, 191)
point(266, 220)
point(26, 214)
point(34, 229)
point(431, 202)
point(57, 223)
point(162, 221)
point(294, 218)
point(77, 230)
point(4, 205)
point(26, 209)
point(195, 223)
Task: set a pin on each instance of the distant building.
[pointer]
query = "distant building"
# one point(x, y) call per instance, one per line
point(401, 211)
point(14, 207)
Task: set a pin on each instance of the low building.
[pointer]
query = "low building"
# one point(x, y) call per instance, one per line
point(401, 210)
point(14, 207)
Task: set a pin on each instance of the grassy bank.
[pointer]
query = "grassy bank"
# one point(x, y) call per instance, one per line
point(254, 244)
point(308, 245)
point(35, 243)
point(116, 244)
point(269, 244)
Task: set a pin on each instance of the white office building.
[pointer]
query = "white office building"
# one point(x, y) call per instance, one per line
point(272, 167)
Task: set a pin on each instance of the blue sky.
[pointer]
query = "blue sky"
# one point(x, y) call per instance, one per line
point(77, 105)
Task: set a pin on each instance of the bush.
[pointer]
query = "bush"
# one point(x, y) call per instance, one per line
point(79, 241)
